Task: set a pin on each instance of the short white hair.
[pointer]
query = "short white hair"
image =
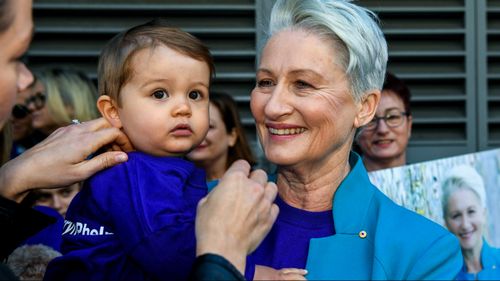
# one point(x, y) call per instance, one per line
point(463, 177)
point(354, 30)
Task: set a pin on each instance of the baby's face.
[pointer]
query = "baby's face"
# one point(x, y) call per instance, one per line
point(164, 106)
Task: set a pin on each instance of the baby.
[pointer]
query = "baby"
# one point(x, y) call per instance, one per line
point(136, 220)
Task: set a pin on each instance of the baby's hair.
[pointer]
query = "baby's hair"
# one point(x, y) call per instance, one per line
point(114, 69)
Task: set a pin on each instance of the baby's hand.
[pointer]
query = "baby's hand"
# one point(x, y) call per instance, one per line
point(268, 273)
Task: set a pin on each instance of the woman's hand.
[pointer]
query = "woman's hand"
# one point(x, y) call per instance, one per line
point(269, 273)
point(234, 218)
point(62, 158)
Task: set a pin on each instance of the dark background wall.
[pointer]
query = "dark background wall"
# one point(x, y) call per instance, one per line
point(448, 52)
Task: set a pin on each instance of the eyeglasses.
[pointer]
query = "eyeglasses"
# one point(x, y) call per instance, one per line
point(20, 111)
point(393, 118)
point(38, 100)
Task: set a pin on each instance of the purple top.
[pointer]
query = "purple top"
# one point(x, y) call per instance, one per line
point(287, 244)
point(133, 221)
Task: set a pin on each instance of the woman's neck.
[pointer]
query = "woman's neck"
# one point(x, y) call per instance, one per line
point(379, 164)
point(312, 187)
point(472, 258)
point(214, 168)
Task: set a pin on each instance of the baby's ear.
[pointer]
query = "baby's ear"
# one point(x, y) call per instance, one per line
point(108, 110)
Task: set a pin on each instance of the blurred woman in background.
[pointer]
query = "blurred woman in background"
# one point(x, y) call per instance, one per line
point(23, 134)
point(465, 215)
point(67, 94)
point(383, 141)
point(225, 141)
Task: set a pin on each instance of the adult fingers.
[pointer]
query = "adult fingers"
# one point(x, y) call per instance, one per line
point(259, 176)
point(123, 142)
point(100, 162)
point(270, 191)
point(238, 166)
point(292, 276)
point(107, 136)
point(294, 271)
point(95, 125)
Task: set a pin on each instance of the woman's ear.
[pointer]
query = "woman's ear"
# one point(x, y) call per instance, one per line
point(108, 110)
point(410, 124)
point(367, 108)
point(233, 137)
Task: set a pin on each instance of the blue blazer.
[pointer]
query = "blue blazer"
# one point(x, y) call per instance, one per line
point(490, 259)
point(378, 239)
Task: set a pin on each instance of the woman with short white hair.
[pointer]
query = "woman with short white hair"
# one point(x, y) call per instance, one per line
point(318, 80)
point(465, 215)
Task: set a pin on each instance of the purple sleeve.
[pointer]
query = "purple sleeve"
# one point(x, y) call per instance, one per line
point(249, 268)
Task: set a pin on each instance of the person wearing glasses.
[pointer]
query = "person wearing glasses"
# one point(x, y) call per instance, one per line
point(383, 141)
point(23, 134)
point(68, 94)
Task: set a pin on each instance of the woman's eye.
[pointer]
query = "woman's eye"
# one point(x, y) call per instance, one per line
point(194, 95)
point(302, 85)
point(160, 94)
point(264, 83)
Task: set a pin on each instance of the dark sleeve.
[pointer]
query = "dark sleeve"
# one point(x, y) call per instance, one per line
point(17, 223)
point(214, 267)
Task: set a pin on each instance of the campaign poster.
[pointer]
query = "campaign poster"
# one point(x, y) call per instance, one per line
point(418, 187)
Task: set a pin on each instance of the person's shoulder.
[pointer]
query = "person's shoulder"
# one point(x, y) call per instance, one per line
point(136, 160)
point(107, 182)
point(417, 241)
point(402, 218)
point(496, 253)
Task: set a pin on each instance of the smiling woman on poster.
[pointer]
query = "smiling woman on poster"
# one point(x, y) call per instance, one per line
point(465, 215)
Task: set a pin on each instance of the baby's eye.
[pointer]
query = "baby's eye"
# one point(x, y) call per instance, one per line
point(160, 94)
point(194, 95)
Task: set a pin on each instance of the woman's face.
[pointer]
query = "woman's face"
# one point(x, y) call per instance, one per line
point(58, 198)
point(216, 144)
point(41, 117)
point(21, 127)
point(301, 103)
point(384, 143)
point(466, 218)
point(14, 42)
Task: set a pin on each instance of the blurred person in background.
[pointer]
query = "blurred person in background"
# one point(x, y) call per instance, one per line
point(29, 262)
point(23, 134)
point(55, 198)
point(383, 141)
point(225, 141)
point(465, 214)
point(67, 94)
